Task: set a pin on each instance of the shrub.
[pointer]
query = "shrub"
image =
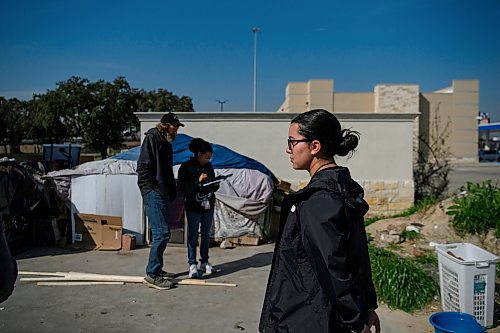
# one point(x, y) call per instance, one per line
point(477, 210)
point(430, 173)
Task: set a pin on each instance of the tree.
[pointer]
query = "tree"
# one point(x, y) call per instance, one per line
point(110, 113)
point(433, 163)
point(12, 123)
point(97, 111)
point(76, 100)
point(163, 101)
point(46, 119)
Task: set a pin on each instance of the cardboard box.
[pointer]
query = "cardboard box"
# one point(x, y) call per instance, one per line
point(128, 242)
point(98, 232)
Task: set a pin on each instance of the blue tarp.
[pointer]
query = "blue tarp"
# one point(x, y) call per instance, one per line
point(223, 157)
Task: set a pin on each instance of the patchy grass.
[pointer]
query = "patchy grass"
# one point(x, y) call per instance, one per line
point(400, 282)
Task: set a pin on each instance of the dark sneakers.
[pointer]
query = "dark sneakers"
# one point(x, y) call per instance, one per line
point(158, 282)
point(164, 274)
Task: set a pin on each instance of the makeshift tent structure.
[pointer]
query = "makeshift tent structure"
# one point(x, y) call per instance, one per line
point(109, 187)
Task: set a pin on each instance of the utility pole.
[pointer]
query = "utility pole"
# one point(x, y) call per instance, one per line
point(255, 30)
point(222, 104)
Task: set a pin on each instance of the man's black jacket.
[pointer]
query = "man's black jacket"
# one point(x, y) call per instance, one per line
point(154, 166)
point(320, 279)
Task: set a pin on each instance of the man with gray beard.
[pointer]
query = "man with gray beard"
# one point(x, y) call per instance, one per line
point(157, 184)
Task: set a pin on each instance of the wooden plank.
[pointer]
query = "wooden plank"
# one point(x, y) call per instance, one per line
point(105, 276)
point(129, 279)
point(92, 277)
point(41, 273)
point(79, 283)
point(195, 282)
point(245, 240)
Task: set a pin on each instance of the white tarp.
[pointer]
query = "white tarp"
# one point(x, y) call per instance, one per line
point(109, 187)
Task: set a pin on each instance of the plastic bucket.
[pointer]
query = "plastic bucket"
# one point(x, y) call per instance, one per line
point(455, 322)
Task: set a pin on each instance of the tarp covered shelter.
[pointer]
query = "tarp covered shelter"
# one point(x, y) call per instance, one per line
point(109, 187)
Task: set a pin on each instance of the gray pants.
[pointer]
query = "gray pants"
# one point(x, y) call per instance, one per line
point(8, 267)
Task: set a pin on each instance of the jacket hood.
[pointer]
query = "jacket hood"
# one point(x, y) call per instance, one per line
point(156, 134)
point(338, 180)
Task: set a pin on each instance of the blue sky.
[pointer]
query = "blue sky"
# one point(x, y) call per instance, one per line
point(204, 49)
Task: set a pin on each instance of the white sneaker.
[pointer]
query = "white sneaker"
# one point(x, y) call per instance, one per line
point(206, 268)
point(193, 272)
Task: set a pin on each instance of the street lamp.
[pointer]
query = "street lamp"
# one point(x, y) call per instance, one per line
point(222, 104)
point(255, 30)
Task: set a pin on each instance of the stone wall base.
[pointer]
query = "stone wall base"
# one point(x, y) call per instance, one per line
point(386, 198)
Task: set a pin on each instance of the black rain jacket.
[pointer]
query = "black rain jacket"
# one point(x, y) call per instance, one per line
point(194, 191)
point(154, 166)
point(320, 279)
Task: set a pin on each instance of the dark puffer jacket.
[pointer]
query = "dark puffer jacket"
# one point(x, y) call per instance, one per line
point(195, 193)
point(154, 166)
point(320, 279)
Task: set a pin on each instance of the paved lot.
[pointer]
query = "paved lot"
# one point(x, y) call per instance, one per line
point(475, 173)
point(134, 307)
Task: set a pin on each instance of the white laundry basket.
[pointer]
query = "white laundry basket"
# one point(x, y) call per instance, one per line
point(467, 279)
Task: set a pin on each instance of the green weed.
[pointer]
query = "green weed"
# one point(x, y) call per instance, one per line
point(400, 282)
point(477, 211)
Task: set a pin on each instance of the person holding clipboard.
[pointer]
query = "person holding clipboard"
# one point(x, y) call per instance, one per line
point(196, 179)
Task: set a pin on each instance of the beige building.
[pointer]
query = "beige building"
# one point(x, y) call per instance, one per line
point(456, 107)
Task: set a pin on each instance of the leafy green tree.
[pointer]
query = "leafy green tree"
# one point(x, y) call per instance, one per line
point(184, 104)
point(162, 100)
point(98, 112)
point(110, 112)
point(12, 123)
point(46, 119)
point(76, 100)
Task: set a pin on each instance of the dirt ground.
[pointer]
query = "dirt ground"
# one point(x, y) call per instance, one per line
point(433, 225)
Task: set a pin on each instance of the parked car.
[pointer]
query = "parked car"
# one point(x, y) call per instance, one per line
point(489, 155)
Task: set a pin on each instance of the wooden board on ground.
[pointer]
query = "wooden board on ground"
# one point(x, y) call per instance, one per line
point(60, 278)
point(245, 240)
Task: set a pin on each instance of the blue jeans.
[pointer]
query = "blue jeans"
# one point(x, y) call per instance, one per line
point(156, 210)
point(194, 221)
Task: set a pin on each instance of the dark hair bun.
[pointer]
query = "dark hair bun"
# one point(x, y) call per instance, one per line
point(195, 144)
point(198, 145)
point(349, 142)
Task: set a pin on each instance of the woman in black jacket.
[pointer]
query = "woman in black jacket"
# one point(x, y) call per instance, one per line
point(320, 279)
point(200, 201)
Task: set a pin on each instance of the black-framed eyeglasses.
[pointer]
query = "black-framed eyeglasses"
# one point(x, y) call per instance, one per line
point(293, 142)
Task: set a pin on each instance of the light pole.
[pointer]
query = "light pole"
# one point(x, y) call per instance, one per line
point(222, 104)
point(255, 30)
